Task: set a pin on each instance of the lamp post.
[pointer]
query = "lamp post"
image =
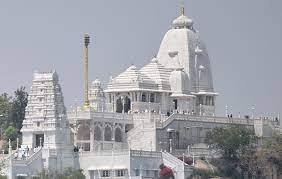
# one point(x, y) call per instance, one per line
point(170, 131)
point(170, 145)
point(160, 144)
point(200, 109)
point(253, 112)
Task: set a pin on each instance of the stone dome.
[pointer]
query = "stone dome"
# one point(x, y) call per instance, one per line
point(192, 53)
point(182, 22)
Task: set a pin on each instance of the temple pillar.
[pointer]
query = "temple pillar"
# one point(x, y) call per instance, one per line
point(92, 136)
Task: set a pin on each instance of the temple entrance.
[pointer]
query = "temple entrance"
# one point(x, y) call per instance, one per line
point(175, 104)
point(39, 140)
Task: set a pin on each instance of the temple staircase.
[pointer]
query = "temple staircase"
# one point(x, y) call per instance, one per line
point(30, 165)
point(181, 169)
point(142, 136)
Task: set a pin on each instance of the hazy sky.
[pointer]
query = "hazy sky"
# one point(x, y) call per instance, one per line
point(244, 39)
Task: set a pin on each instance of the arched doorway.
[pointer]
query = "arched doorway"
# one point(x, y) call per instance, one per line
point(118, 135)
point(83, 132)
point(97, 133)
point(127, 104)
point(108, 133)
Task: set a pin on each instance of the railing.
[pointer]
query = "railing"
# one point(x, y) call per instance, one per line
point(222, 120)
point(141, 153)
point(168, 120)
point(145, 106)
point(173, 159)
point(29, 160)
point(104, 153)
point(87, 115)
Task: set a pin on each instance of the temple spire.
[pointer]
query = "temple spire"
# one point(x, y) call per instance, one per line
point(182, 9)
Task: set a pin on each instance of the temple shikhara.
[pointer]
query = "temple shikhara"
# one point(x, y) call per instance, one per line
point(144, 117)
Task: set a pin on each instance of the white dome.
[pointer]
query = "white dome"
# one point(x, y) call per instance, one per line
point(182, 22)
point(192, 53)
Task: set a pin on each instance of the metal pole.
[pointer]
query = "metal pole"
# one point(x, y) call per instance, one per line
point(253, 112)
point(170, 145)
point(200, 109)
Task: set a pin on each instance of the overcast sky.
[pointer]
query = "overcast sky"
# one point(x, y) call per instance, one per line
point(244, 40)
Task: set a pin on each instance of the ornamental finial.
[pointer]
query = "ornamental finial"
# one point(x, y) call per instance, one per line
point(182, 9)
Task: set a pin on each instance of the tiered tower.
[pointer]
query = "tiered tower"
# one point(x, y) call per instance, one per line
point(97, 96)
point(46, 124)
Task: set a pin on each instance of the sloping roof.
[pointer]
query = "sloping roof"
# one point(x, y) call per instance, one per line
point(132, 74)
point(131, 79)
point(158, 73)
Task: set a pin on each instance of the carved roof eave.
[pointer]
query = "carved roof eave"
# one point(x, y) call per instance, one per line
point(136, 89)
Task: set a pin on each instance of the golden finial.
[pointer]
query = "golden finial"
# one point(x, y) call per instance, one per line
point(182, 10)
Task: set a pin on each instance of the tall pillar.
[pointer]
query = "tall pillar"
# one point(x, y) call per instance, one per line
point(91, 136)
point(86, 43)
point(114, 102)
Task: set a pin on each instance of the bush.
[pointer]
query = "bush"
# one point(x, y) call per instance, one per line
point(205, 173)
point(68, 173)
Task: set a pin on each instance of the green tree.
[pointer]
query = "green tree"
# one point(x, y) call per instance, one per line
point(5, 109)
point(273, 151)
point(68, 173)
point(19, 103)
point(10, 133)
point(259, 162)
point(231, 141)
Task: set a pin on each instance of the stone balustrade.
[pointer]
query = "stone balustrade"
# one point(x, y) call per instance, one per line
point(222, 120)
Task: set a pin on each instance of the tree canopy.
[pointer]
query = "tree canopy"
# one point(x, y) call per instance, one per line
point(12, 113)
point(241, 154)
point(232, 140)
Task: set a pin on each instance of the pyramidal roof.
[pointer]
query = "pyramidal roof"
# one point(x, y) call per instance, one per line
point(132, 74)
point(158, 73)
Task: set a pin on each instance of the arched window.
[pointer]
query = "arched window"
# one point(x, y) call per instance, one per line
point(143, 97)
point(83, 132)
point(108, 133)
point(118, 135)
point(97, 133)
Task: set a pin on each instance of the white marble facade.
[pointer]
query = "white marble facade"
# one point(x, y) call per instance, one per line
point(167, 105)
